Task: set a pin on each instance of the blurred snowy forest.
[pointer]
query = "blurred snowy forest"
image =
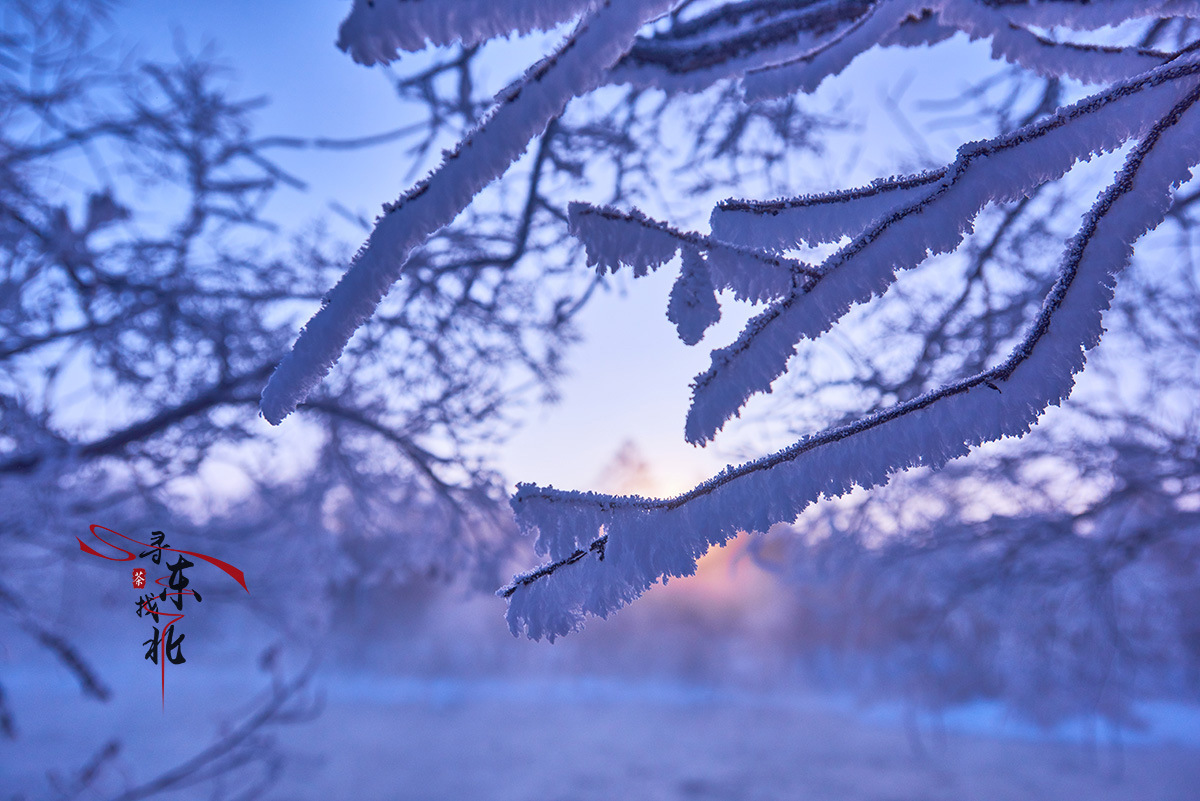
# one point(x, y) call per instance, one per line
point(1048, 584)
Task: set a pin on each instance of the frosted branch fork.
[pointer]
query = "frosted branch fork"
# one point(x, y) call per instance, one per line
point(643, 540)
point(915, 219)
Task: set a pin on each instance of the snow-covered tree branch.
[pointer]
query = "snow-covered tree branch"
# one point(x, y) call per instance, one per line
point(603, 551)
point(522, 111)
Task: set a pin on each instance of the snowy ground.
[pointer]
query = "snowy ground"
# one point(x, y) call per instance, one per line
point(604, 740)
point(579, 738)
point(674, 699)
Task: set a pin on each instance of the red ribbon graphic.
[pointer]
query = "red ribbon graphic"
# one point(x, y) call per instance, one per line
point(233, 572)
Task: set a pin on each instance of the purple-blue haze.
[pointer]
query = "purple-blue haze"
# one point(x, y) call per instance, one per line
point(709, 687)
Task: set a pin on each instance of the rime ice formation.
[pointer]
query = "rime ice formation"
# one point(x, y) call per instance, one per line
point(375, 31)
point(603, 551)
point(607, 550)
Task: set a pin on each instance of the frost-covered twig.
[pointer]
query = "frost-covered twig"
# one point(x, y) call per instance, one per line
point(1010, 41)
point(613, 238)
point(1090, 15)
point(815, 219)
point(805, 72)
point(788, 45)
point(728, 41)
point(1089, 63)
